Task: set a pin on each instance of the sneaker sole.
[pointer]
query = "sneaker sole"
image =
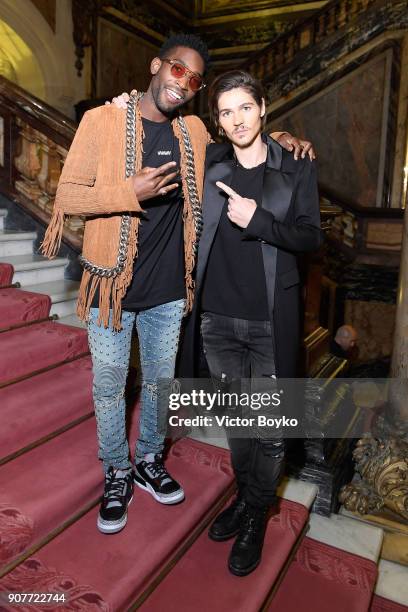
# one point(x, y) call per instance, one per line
point(174, 499)
point(105, 527)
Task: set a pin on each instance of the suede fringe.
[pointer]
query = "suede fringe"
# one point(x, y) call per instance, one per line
point(53, 236)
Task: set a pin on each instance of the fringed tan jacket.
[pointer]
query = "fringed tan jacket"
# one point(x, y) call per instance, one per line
point(93, 184)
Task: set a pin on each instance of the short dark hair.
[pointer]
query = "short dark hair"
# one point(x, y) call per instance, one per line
point(191, 41)
point(232, 80)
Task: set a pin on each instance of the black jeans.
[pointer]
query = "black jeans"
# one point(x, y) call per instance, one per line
point(239, 349)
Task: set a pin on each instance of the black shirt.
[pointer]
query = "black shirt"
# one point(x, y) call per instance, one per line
point(158, 273)
point(235, 284)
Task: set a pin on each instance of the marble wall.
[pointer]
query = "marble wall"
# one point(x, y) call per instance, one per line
point(127, 69)
point(347, 122)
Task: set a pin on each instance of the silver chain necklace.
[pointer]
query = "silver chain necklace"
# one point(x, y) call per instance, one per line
point(130, 171)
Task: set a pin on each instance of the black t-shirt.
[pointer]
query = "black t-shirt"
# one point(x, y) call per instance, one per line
point(158, 273)
point(234, 283)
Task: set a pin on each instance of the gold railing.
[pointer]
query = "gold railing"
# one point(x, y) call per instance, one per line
point(34, 141)
point(359, 229)
point(331, 18)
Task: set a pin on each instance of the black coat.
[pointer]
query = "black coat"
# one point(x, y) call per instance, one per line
point(287, 224)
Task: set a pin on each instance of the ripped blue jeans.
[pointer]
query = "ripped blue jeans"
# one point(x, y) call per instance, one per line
point(158, 330)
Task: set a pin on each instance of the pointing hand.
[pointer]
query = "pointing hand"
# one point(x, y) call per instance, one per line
point(240, 210)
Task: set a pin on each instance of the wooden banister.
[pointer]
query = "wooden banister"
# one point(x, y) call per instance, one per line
point(36, 140)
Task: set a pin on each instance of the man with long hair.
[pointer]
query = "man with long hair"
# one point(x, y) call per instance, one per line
point(260, 210)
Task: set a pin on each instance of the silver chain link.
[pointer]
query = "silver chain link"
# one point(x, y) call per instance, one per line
point(191, 183)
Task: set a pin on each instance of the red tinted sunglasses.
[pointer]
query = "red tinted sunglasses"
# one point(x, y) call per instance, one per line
point(195, 82)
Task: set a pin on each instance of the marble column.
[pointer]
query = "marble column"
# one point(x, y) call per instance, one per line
point(382, 460)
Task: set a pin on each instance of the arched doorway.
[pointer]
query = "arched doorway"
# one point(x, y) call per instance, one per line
point(51, 49)
point(18, 63)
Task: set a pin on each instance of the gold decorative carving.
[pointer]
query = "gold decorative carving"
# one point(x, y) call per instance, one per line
point(49, 174)
point(28, 162)
point(309, 32)
point(39, 163)
point(384, 235)
point(383, 466)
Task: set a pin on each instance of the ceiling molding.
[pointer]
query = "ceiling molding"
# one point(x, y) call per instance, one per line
point(285, 10)
point(135, 23)
point(222, 24)
point(48, 10)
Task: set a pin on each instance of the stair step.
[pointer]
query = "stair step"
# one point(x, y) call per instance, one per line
point(7, 235)
point(395, 544)
point(50, 483)
point(38, 346)
point(344, 533)
point(392, 585)
point(39, 406)
point(6, 274)
point(63, 294)
point(201, 578)
point(3, 215)
point(72, 319)
point(32, 269)
point(16, 243)
point(379, 604)
point(335, 567)
point(298, 491)
point(90, 563)
point(19, 306)
point(63, 472)
point(322, 577)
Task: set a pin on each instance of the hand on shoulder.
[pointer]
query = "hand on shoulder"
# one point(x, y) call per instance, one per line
point(120, 101)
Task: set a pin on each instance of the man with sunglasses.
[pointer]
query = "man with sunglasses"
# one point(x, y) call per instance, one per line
point(138, 177)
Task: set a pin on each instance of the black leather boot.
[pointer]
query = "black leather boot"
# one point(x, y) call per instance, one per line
point(246, 552)
point(228, 523)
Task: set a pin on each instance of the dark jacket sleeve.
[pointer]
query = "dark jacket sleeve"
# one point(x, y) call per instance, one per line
point(304, 234)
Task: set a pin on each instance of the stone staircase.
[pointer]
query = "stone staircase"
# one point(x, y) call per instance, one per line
point(37, 274)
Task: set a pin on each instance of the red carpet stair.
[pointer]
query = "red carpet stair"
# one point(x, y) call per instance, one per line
point(17, 307)
point(50, 482)
point(30, 349)
point(6, 274)
point(44, 404)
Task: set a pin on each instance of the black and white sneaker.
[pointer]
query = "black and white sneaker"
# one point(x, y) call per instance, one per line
point(116, 498)
point(153, 477)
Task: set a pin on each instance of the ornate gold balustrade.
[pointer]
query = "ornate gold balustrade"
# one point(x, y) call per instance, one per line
point(362, 231)
point(34, 141)
point(331, 18)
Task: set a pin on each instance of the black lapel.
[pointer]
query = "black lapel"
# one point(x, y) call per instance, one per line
point(213, 203)
point(279, 182)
